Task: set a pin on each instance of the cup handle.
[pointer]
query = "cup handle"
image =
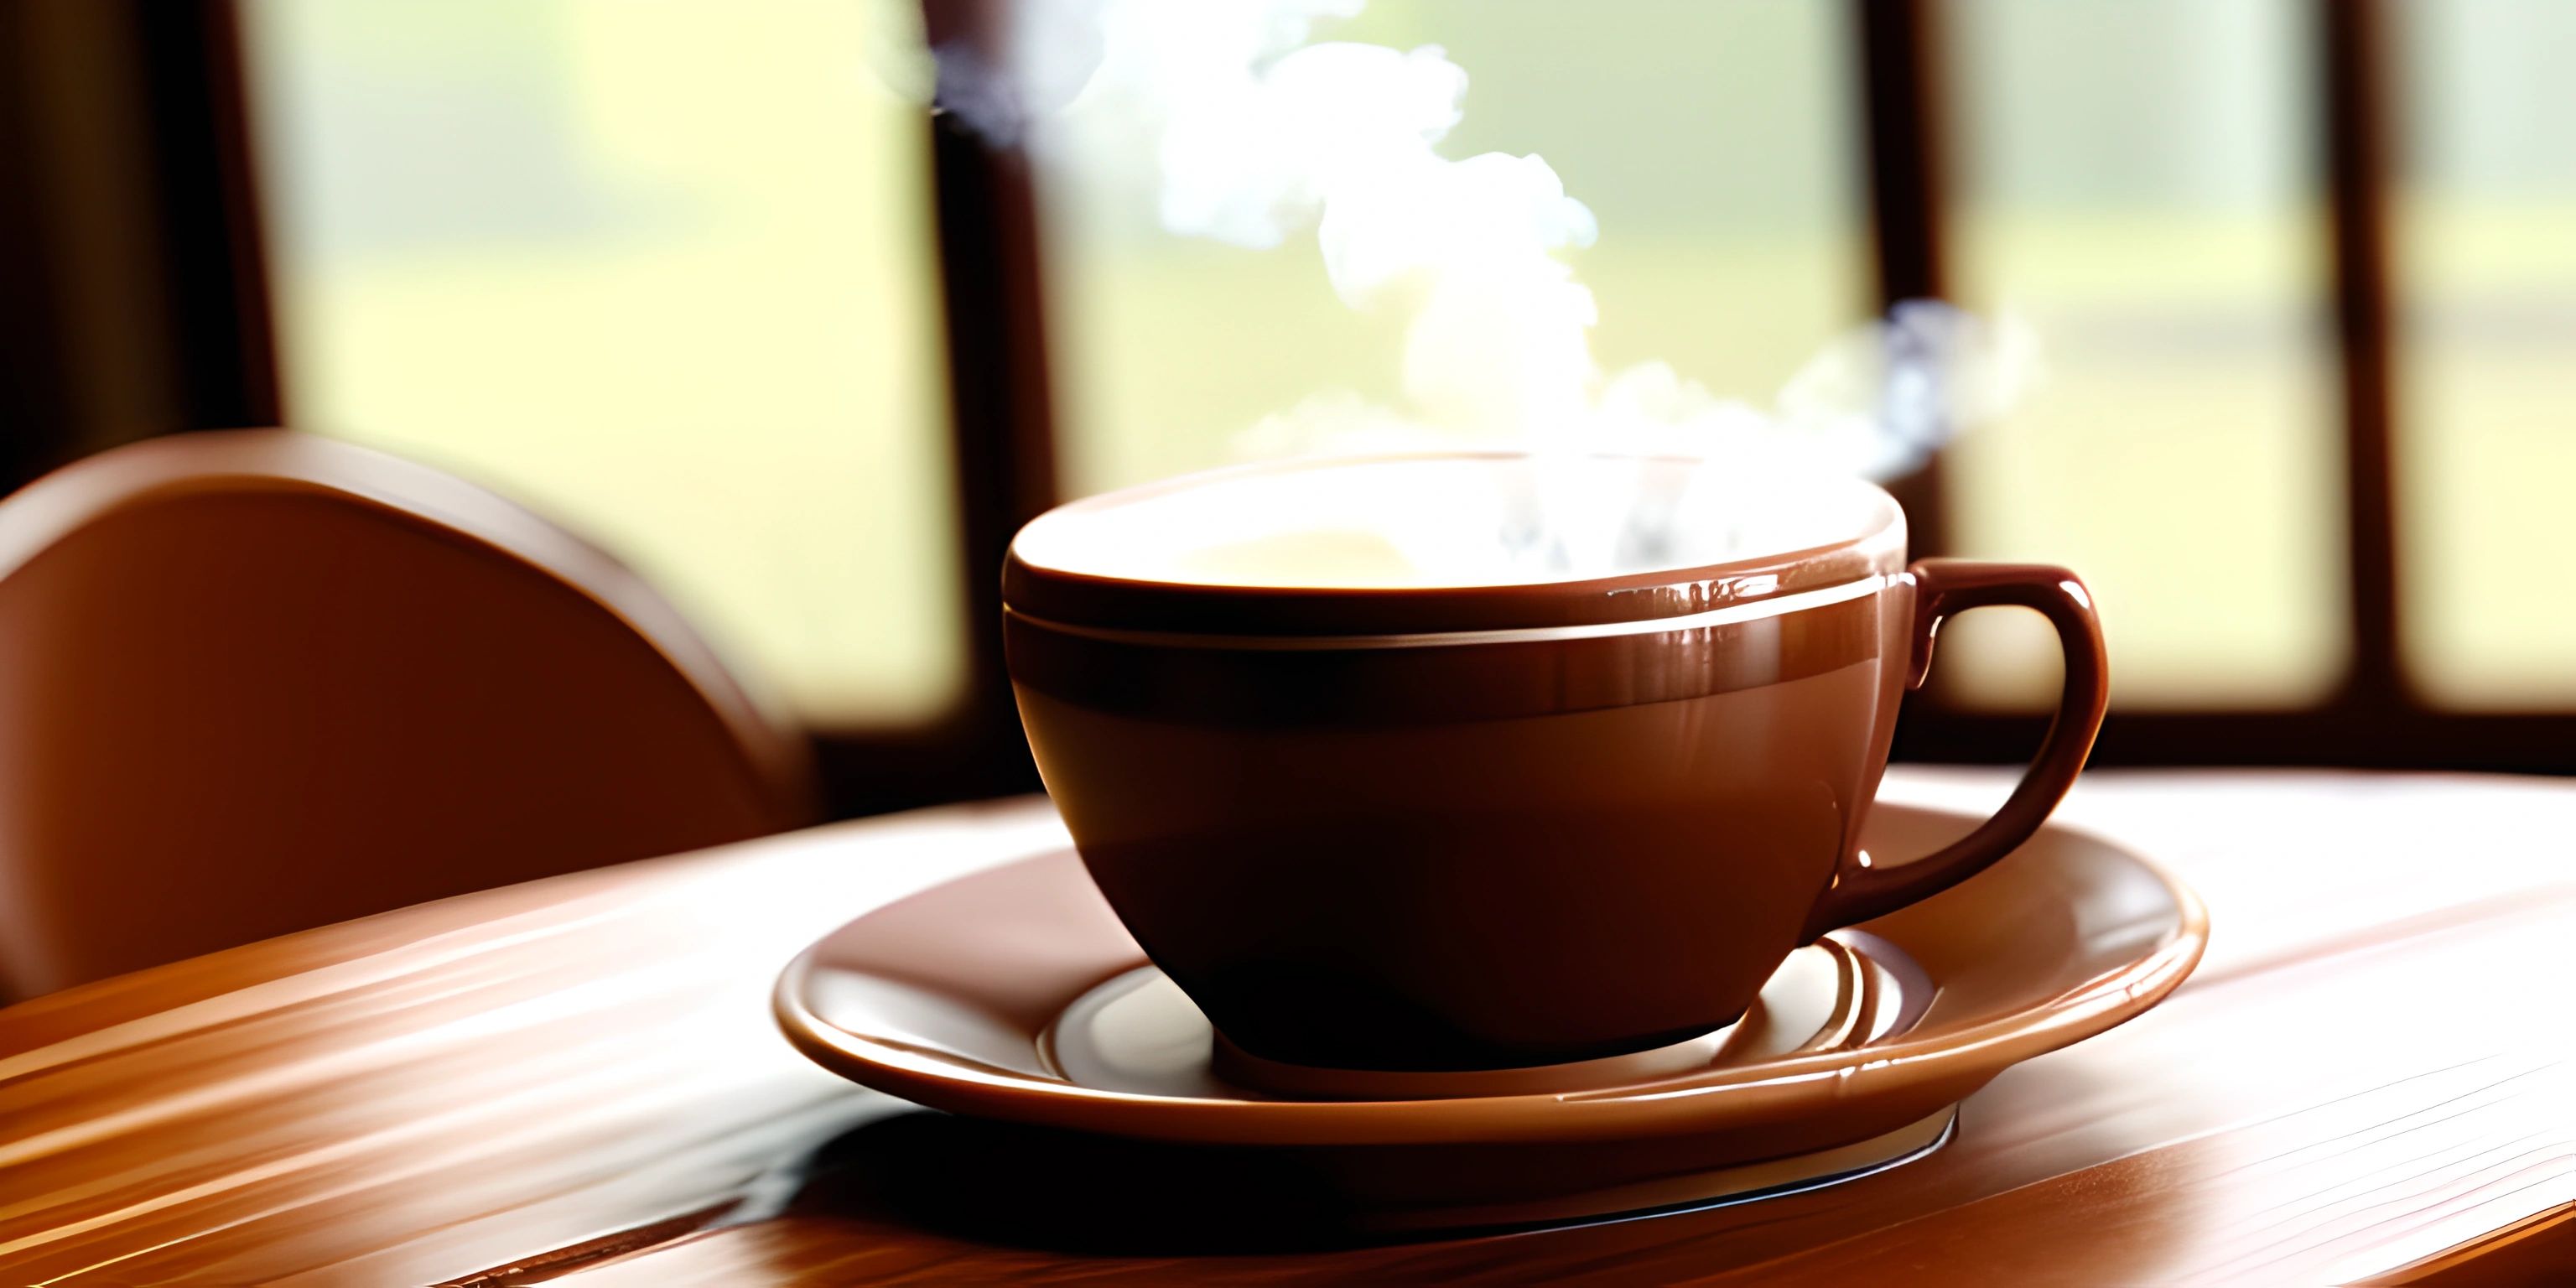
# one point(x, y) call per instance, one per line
point(1945, 587)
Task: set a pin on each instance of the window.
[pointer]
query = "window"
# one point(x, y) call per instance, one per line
point(663, 271)
point(2138, 181)
point(2486, 273)
point(2302, 268)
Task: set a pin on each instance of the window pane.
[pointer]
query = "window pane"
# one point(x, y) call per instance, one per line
point(1715, 142)
point(2136, 180)
point(2486, 273)
point(661, 271)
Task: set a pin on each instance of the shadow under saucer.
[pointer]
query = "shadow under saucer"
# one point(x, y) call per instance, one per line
point(1009, 1184)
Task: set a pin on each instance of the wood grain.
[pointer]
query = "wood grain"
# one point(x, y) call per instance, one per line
point(577, 1080)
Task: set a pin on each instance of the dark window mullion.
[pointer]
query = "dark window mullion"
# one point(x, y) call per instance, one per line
point(133, 299)
point(189, 58)
point(1904, 144)
point(1002, 428)
point(2354, 104)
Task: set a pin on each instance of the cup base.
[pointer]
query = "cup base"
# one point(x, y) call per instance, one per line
point(1820, 996)
point(1310, 1082)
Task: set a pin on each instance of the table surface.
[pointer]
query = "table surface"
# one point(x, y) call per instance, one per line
point(577, 1079)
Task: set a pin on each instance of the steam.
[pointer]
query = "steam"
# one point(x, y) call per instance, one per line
point(1255, 135)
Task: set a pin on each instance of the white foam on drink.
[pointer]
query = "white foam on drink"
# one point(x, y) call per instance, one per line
point(1430, 521)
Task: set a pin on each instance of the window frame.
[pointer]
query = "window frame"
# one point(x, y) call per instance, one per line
point(2373, 718)
point(196, 216)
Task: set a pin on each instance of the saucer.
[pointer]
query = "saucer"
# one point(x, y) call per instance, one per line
point(1015, 994)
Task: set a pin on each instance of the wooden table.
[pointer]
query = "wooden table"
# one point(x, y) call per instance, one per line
point(578, 1079)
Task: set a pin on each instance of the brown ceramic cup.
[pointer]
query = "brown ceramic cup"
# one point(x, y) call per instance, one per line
point(1378, 795)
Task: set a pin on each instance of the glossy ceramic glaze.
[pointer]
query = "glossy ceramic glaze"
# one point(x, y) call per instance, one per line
point(1502, 823)
point(1016, 994)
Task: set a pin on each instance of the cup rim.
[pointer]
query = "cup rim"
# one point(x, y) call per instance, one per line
point(1632, 602)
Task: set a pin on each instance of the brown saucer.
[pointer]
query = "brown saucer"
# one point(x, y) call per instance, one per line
point(1014, 994)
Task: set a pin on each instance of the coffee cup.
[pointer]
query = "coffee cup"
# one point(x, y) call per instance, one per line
point(1484, 760)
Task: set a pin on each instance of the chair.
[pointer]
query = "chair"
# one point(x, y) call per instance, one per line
point(256, 681)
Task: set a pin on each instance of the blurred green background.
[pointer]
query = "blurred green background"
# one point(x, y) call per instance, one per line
point(665, 271)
